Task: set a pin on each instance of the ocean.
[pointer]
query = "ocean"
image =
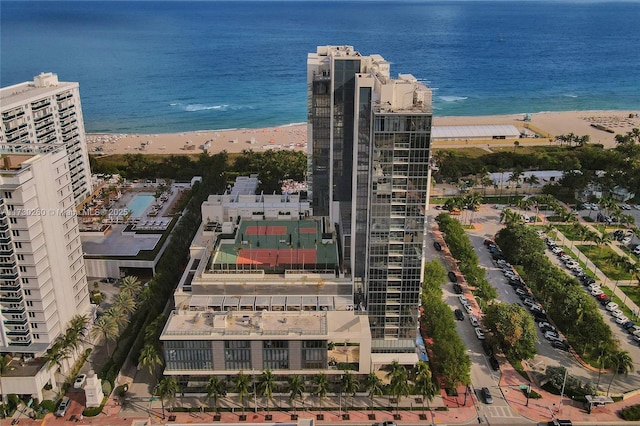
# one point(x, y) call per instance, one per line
point(155, 67)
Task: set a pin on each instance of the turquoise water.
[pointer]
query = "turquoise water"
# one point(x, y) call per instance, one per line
point(139, 204)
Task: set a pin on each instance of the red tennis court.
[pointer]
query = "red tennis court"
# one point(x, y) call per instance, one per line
point(276, 257)
point(308, 230)
point(266, 230)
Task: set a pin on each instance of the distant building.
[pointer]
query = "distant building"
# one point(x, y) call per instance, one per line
point(544, 177)
point(43, 112)
point(470, 133)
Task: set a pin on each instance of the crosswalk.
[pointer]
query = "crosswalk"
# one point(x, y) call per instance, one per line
point(497, 411)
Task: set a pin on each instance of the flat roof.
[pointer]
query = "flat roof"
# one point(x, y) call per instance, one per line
point(485, 131)
point(263, 244)
point(19, 94)
point(201, 302)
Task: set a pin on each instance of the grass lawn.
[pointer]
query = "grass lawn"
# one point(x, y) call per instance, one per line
point(568, 232)
point(632, 292)
point(601, 257)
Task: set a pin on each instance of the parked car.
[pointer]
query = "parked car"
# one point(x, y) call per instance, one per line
point(551, 335)
point(611, 306)
point(616, 313)
point(457, 288)
point(468, 309)
point(80, 379)
point(622, 319)
point(463, 300)
point(633, 329)
point(486, 395)
point(459, 315)
point(479, 333)
point(63, 407)
point(559, 344)
point(437, 246)
point(493, 362)
point(474, 320)
point(452, 276)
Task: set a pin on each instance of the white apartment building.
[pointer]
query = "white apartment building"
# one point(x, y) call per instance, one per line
point(47, 111)
point(43, 279)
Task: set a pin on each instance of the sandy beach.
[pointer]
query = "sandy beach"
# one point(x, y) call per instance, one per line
point(294, 136)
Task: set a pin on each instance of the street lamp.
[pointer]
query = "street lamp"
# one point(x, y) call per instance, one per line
point(528, 393)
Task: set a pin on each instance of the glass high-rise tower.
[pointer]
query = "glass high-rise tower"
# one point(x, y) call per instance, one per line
point(369, 139)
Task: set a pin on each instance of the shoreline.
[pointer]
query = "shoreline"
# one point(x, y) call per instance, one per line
point(293, 136)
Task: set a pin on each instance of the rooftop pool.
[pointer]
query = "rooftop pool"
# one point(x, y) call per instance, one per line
point(139, 204)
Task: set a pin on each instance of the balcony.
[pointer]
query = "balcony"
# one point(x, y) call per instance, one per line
point(18, 333)
point(11, 276)
point(20, 310)
point(6, 252)
point(21, 321)
point(6, 287)
point(20, 343)
point(4, 226)
point(12, 299)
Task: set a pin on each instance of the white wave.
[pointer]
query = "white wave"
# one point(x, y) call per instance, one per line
point(205, 107)
point(453, 98)
point(570, 96)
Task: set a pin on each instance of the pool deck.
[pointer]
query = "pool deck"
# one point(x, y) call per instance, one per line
point(114, 243)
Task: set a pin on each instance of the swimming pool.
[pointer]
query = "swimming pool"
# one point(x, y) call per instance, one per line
point(139, 204)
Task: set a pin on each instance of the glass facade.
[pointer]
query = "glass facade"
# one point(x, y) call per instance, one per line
point(275, 354)
point(320, 117)
point(363, 161)
point(188, 355)
point(314, 354)
point(237, 355)
point(399, 181)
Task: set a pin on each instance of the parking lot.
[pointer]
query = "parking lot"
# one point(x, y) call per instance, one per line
point(487, 222)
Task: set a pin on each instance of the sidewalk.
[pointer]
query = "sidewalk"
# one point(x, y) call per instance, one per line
point(542, 410)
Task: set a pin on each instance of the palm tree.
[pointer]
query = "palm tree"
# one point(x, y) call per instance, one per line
point(485, 181)
point(603, 239)
point(473, 201)
point(320, 386)
point(424, 383)
point(149, 358)
point(57, 353)
point(80, 325)
point(215, 389)
point(515, 177)
point(105, 327)
point(349, 385)
point(124, 302)
point(266, 385)
point(531, 180)
point(119, 317)
point(510, 217)
point(296, 388)
point(399, 383)
point(130, 285)
point(166, 389)
point(622, 362)
point(373, 385)
point(241, 387)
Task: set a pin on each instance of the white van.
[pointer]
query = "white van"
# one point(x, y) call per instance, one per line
point(63, 407)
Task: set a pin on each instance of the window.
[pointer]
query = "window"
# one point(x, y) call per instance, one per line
point(275, 354)
point(21, 257)
point(25, 280)
point(30, 303)
point(36, 336)
point(32, 315)
point(34, 325)
point(27, 292)
point(13, 220)
point(18, 245)
point(8, 195)
point(15, 232)
point(188, 355)
point(314, 354)
point(23, 269)
point(237, 355)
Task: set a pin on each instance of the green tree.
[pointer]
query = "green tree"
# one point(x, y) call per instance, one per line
point(131, 285)
point(124, 302)
point(149, 358)
point(424, 383)
point(242, 388)
point(320, 387)
point(349, 385)
point(296, 388)
point(622, 364)
point(215, 388)
point(373, 386)
point(266, 385)
point(166, 390)
point(105, 328)
point(398, 382)
point(513, 330)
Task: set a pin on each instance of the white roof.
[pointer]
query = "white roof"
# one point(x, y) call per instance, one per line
point(461, 132)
